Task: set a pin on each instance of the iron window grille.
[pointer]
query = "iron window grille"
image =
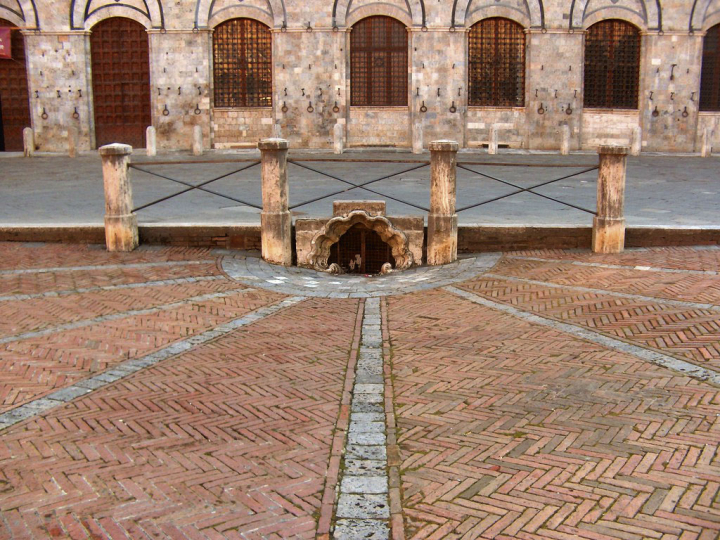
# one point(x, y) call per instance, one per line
point(612, 65)
point(379, 63)
point(242, 64)
point(710, 78)
point(496, 50)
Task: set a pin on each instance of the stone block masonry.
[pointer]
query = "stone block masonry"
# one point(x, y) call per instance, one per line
point(312, 84)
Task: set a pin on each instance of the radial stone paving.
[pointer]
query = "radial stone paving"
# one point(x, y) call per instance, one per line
point(200, 394)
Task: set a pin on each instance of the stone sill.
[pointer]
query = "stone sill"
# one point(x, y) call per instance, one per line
point(379, 108)
point(708, 113)
point(236, 109)
point(628, 112)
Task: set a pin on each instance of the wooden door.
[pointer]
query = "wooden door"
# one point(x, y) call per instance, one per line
point(121, 81)
point(14, 101)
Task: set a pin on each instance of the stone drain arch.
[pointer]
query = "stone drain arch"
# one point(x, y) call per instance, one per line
point(337, 226)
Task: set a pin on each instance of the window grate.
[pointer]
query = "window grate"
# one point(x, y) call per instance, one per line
point(379, 63)
point(242, 64)
point(710, 78)
point(496, 74)
point(612, 65)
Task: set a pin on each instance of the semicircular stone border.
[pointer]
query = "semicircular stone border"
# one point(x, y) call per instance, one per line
point(306, 282)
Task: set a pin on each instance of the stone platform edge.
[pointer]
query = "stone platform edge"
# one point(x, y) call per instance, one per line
point(471, 238)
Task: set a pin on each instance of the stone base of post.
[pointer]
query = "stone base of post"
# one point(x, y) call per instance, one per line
point(73, 141)
point(197, 147)
point(121, 233)
point(442, 239)
point(608, 235)
point(493, 143)
point(706, 150)
point(417, 138)
point(151, 141)
point(636, 141)
point(276, 234)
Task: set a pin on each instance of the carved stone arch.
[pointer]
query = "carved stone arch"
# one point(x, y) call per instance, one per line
point(465, 13)
point(241, 12)
point(370, 10)
point(650, 17)
point(207, 14)
point(615, 13)
point(702, 17)
point(23, 13)
point(344, 16)
point(84, 14)
point(505, 12)
point(337, 226)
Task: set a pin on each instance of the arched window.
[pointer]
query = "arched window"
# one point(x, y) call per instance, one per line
point(242, 64)
point(496, 63)
point(379, 63)
point(612, 65)
point(710, 78)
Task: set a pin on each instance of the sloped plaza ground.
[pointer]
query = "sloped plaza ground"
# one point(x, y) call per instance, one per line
point(200, 394)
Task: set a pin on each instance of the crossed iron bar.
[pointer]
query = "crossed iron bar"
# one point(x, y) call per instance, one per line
point(364, 185)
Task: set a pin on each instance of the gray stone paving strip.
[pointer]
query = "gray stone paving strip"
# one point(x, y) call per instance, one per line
point(101, 267)
point(363, 508)
point(664, 360)
point(127, 368)
point(159, 283)
point(617, 266)
point(121, 315)
point(654, 299)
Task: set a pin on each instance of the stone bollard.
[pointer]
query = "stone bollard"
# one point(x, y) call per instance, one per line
point(121, 230)
point(493, 144)
point(73, 139)
point(275, 219)
point(151, 141)
point(28, 142)
point(608, 235)
point(706, 150)
point(338, 136)
point(636, 141)
point(417, 138)
point(197, 141)
point(277, 131)
point(565, 140)
point(442, 219)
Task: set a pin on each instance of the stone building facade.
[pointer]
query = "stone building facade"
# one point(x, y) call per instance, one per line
point(311, 72)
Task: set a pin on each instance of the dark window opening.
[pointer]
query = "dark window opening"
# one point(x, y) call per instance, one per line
point(612, 65)
point(496, 66)
point(361, 251)
point(710, 78)
point(242, 64)
point(379, 63)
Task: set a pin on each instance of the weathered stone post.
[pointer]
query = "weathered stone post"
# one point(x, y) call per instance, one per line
point(417, 137)
point(121, 230)
point(493, 144)
point(338, 138)
point(636, 141)
point(442, 219)
point(608, 234)
point(706, 150)
point(197, 141)
point(73, 141)
point(151, 141)
point(564, 140)
point(275, 220)
point(28, 142)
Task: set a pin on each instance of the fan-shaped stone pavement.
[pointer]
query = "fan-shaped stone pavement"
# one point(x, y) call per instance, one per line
point(177, 393)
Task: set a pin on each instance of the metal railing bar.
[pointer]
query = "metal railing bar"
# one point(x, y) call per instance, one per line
point(191, 186)
point(357, 186)
point(530, 189)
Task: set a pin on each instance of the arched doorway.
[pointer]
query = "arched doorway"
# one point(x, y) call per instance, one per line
point(14, 100)
point(121, 81)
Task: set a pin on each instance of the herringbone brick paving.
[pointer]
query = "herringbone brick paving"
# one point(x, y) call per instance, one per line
point(693, 334)
point(228, 441)
point(506, 429)
point(509, 430)
point(693, 288)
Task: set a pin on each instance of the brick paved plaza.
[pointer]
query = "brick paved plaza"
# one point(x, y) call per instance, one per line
point(198, 394)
